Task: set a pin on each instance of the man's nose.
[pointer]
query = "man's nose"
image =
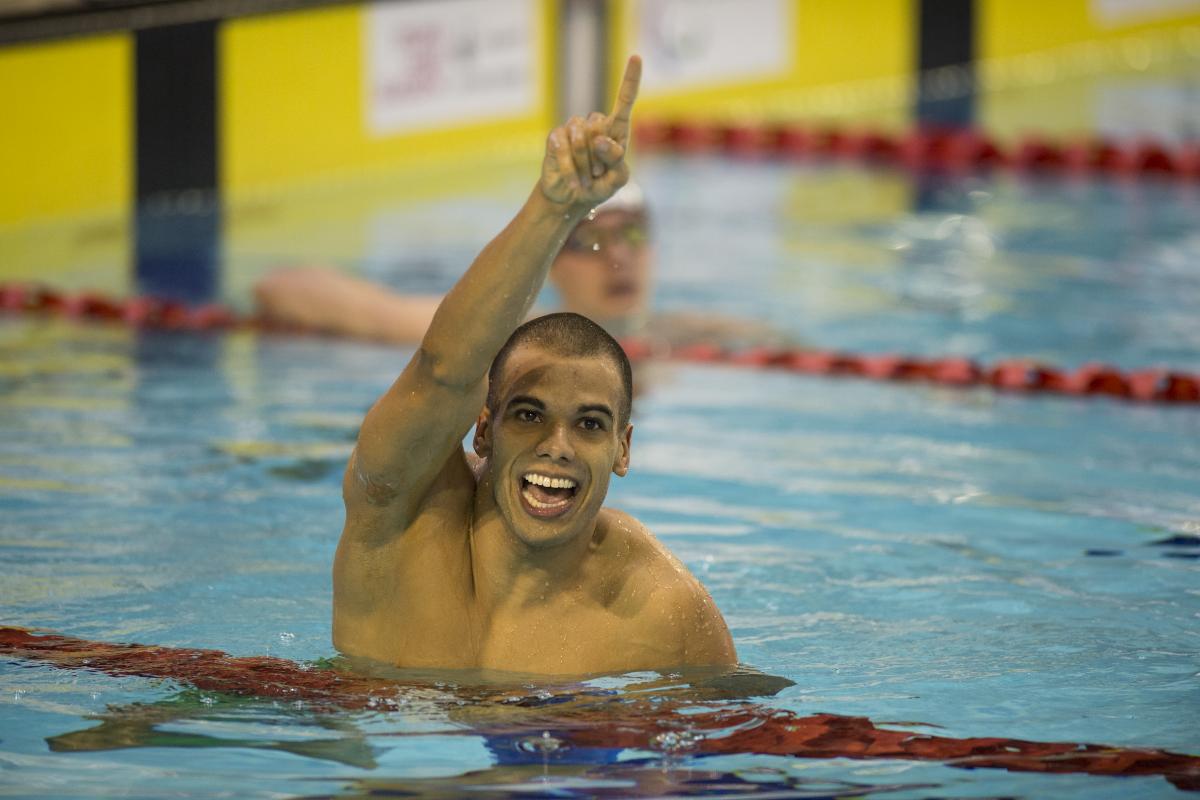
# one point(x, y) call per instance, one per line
point(557, 444)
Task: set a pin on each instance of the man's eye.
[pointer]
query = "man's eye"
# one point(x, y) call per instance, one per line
point(591, 424)
point(526, 415)
point(582, 243)
point(635, 235)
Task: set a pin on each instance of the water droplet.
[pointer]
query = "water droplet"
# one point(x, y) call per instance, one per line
point(675, 741)
point(544, 744)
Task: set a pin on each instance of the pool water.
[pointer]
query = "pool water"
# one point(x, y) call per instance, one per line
point(951, 561)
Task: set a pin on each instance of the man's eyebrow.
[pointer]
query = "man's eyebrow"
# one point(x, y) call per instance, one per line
point(599, 408)
point(527, 400)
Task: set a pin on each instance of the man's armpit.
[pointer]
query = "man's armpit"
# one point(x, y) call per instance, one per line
point(358, 485)
point(376, 493)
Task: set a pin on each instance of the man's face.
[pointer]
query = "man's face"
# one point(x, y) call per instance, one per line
point(603, 271)
point(552, 441)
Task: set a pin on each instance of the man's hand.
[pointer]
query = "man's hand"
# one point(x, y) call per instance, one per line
point(585, 158)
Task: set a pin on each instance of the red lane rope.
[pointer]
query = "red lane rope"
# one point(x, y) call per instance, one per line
point(1015, 375)
point(927, 149)
point(1156, 385)
point(595, 722)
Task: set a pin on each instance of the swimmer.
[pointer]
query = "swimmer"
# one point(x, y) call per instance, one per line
point(506, 560)
point(603, 272)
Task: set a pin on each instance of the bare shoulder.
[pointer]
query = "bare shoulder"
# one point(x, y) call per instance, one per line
point(659, 595)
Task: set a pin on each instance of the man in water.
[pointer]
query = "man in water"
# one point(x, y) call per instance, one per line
point(508, 561)
point(602, 272)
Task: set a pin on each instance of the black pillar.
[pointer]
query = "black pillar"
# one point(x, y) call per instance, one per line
point(946, 38)
point(178, 218)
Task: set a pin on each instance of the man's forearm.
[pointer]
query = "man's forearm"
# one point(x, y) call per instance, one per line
point(494, 296)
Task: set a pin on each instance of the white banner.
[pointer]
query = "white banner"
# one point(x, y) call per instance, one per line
point(691, 44)
point(437, 63)
point(1114, 13)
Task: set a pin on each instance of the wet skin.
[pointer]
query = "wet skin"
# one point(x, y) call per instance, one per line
point(485, 579)
point(558, 418)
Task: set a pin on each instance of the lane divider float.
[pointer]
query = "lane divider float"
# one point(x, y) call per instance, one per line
point(1155, 385)
point(924, 149)
point(597, 718)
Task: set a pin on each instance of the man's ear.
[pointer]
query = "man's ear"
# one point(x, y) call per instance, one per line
point(483, 434)
point(621, 465)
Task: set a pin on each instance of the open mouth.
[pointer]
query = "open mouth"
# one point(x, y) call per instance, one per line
point(547, 496)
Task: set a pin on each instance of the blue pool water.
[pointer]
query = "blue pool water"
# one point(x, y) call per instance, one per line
point(956, 561)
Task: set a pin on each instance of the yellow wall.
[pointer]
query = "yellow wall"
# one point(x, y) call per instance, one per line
point(1048, 67)
point(66, 140)
point(851, 61)
point(293, 103)
point(1013, 27)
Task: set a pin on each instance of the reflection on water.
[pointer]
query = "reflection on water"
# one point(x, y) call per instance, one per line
point(527, 765)
point(631, 778)
point(190, 720)
point(503, 709)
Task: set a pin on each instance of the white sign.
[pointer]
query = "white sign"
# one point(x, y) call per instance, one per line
point(1131, 12)
point(437, 63)
point(689, 44)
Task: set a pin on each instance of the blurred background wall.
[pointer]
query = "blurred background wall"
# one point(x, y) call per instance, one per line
point(123, 113)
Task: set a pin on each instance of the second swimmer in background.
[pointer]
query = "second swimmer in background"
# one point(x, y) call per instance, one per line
point(604, 272)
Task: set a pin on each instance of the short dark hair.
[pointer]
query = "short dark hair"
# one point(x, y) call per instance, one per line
point(571, 335)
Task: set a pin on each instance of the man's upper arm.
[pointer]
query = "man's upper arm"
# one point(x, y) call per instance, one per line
point(405, 442)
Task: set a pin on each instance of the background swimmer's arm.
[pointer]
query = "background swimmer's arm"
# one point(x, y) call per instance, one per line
point(325, 300)
point(411, 432)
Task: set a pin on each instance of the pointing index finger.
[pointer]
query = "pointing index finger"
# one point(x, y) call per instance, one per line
point(623, 108)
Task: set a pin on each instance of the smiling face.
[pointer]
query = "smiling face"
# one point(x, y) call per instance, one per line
point(603, 271)
point(552, 440)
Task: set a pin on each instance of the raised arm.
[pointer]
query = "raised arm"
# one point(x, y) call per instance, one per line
point(418, 424)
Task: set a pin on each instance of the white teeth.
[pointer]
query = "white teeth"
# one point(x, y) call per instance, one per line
point(548, 482)
point(533, 501)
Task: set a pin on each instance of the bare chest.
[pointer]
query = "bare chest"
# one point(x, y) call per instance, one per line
point(442, 623)
point(561, 635)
